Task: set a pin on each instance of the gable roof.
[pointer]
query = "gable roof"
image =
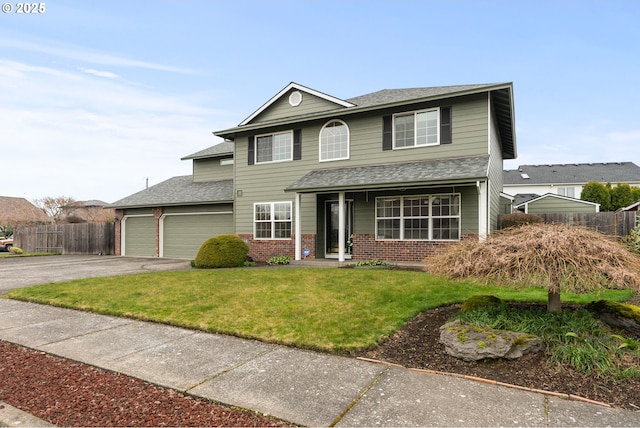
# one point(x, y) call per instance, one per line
point(501, 95)
point(578, 173)
point(392, 175)
point(181, 190)
point(14, 211)
point(221, 149)
point(297, 86)
point(553, 195)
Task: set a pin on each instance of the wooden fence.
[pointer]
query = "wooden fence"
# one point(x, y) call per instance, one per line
point(610, 223)
point(74, 238)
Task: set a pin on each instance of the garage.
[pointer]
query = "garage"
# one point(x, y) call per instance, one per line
point(182, 234)
point(139, 234)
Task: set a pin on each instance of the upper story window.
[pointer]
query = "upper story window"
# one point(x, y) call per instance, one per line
point(419, 128)
point(334, 141)
point(274, 147)
point(567, 191)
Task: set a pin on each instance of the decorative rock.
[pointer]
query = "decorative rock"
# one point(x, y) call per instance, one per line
point(471, 343)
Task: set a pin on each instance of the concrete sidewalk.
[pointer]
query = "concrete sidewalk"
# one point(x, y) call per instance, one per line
point(303, 387)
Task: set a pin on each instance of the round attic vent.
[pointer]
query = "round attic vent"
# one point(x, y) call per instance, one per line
point(295, 98)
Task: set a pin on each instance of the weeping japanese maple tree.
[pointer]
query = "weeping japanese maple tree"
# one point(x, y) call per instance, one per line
point(552, 256)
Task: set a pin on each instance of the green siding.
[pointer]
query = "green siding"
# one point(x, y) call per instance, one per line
point(184, 234)
point(140, 236)
point(495, 175)
point(218, 208)
point(281, 108)
point(211, 170)
point(552, 205)
point(266, 182)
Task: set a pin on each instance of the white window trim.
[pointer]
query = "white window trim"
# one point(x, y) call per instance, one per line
point(272, 221)
point(429, 217)
point(415, 131)
point(255, 154)
point(320, 141)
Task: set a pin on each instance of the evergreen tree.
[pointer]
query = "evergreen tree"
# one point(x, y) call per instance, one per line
point(594, 191)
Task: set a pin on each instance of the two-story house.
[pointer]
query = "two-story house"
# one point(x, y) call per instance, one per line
point(391, 175)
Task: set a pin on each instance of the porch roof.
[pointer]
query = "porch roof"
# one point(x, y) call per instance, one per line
point(407, 174)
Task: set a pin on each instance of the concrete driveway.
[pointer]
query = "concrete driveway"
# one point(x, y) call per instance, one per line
point(16, 272)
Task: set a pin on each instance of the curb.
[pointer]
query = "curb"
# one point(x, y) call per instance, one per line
point(13, 417)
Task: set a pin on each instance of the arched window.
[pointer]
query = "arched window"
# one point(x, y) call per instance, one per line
point(334, 141)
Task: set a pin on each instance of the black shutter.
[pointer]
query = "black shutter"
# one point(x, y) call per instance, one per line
point(387, 132)
point(251, 157)
point(297, 144)
point(445, 125)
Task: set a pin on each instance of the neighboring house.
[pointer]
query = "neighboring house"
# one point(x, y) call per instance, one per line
point(567, 179)
point(93, 211)
point(20, 212)
point(551, 203)
point(392, 175)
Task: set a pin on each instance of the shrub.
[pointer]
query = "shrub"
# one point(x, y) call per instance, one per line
point(632, 240)
point(222, 252)
point(518, 219)
point(279, 260)
point(374, 262)
point(15, 250)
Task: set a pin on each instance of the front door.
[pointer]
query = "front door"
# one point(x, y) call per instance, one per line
point(331, 228)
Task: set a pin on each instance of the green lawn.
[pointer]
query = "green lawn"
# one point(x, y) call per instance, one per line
point(327, 309)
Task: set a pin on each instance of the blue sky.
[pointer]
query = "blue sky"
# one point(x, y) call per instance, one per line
point(97, 97)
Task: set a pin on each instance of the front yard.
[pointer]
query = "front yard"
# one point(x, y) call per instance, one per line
point(336, 310)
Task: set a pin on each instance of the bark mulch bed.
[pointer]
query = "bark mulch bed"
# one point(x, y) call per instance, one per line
point(417, 345)
point(67, 393)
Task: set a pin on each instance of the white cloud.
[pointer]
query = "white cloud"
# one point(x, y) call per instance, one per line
point(107, 74)
point(83, 55)
point(66, 133)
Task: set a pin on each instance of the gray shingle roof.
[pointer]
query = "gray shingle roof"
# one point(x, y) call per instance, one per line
point(613, 172)
point(181, 190)
point(387, 96)
point(220, 149)
point(398, 174)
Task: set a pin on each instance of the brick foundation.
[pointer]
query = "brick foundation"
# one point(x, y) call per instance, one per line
point(261, 250)
point(365, 247)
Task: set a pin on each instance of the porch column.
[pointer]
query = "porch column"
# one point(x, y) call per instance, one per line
point(483, 207)
point(341, 224)
point(298, 228)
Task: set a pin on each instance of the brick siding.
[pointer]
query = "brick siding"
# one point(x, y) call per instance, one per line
point(365, 247)
point(261, 250)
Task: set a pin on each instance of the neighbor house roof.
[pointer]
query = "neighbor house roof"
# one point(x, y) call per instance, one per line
point(552, 195)
point(221, 149)
point(15, 211)
point(501, 95)
point(394, 175)
point(181, 190)
point(574, 173)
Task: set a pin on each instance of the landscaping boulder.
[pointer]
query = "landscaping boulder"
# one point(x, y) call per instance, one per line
point(471, 343)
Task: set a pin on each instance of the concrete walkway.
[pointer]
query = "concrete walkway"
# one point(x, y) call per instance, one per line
point(303, 387)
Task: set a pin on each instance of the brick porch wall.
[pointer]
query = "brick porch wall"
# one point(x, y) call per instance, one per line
point(365, 247)
point(261, 250)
